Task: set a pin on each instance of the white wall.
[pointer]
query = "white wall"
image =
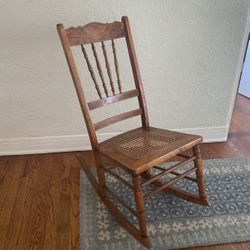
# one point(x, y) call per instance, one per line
point(189, 53)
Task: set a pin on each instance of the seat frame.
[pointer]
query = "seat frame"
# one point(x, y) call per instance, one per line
point(99, 32)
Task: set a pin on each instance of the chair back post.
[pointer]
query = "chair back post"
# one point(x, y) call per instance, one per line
point(136, 72)
point(77, 83)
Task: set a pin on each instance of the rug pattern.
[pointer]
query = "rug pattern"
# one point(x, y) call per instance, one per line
point(172, 222)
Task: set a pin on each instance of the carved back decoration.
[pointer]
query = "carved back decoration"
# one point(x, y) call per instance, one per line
point(105, 34)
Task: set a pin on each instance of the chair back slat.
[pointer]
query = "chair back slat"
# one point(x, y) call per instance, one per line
point(92, 73)
point(99, 67)
point(116, 66)
point(95, 32)
point(105, 54)
point(117, 118)
point(113, 99)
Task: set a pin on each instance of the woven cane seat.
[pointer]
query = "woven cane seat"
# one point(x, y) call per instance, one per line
point(139, 148)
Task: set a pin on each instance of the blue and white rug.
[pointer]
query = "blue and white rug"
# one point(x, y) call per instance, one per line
point(172, 222)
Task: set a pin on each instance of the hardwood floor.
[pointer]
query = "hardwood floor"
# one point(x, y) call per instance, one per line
point(39, 194)
point(39, 202)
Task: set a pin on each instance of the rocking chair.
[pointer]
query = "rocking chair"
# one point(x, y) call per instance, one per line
point(139, 151)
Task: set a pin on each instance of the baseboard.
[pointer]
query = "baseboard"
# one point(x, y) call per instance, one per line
point(209, 134)
point(66, 143)
point(47, 144)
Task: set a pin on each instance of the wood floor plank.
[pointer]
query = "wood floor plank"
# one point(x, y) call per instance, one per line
point(68, 226)
point(10, 187)
point(31, 215)
point(74, 211)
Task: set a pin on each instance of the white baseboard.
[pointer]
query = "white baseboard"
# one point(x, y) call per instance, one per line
point(209, 134)
point(66, 143)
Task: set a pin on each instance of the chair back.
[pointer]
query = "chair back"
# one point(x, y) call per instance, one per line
point(106, 34)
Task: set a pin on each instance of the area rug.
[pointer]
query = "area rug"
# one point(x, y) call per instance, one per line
point(172, 222)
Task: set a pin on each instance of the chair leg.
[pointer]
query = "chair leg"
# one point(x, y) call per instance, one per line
point(100, 175)
point(199, 174)
point(139, 201)
point(115, 212)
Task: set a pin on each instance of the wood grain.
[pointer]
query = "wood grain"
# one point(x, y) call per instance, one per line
point(40, 202)
point(117, 118)
point(95, 32)
point(99, 67)
point(116, 66)
point(92, 73)
point(136, 72)
point(113, 99)
point(105, 54)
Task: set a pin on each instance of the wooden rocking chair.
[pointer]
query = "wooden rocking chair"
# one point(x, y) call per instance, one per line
point(137, 151)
